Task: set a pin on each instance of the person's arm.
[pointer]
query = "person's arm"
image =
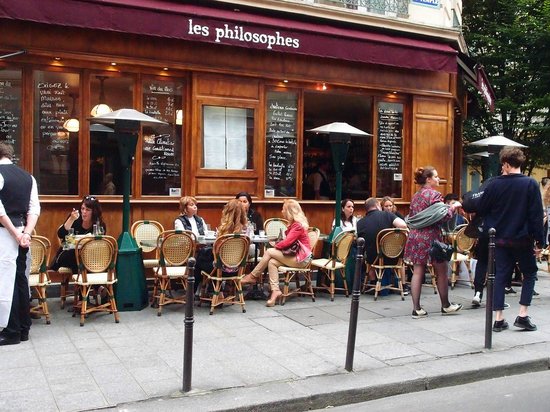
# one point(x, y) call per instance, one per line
point(292, 235)
point(399, 223)
point(178, 225)
point(535, 214)
point(32, 215)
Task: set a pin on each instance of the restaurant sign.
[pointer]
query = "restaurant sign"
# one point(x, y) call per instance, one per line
point(427, 3)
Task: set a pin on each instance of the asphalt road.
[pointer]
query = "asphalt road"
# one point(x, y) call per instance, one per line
point(528, 392)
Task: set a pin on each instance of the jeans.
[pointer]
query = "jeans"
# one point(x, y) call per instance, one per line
point(505, 261)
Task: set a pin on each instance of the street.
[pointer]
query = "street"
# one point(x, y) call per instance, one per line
point(528, 392)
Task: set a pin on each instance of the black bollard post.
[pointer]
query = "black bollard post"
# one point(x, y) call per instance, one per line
point(355, 294)
point(490, 282)
point(188, 326)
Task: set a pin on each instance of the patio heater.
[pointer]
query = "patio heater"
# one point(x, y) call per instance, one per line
point(490, 162)
point(339, 136)
point(131, 290)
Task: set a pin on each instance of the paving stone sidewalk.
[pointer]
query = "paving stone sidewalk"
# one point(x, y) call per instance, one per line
point(289, 357)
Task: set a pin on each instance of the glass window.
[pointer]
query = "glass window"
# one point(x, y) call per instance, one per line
point(106, 175)
point(55, 146)
point(389, 156)
point(10, 110)
point(228, 136)
point(161, 149)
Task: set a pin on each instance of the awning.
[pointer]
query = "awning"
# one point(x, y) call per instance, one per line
point(171, 19)
point(476, 76)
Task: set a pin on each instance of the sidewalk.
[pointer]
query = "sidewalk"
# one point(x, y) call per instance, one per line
point(284, 358)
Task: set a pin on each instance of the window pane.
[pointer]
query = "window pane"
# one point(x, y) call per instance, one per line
point(389, 175)
point(55, 147)
point(228, 134)
point(10, 110)
point(161, 156)
point(105, 171)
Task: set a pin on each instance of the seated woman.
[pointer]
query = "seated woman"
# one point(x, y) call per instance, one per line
point(233, 218)
point(253, 217)
point(388, 205)
point(274, 257)
point(82, 222)
point(188, 218)
point(348, 221)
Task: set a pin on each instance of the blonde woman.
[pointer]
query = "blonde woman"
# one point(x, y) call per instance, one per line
point(188, 218)
point(274, 257)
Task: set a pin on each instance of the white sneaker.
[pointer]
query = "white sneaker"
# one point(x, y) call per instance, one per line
point(452, 308)
point(476, 301)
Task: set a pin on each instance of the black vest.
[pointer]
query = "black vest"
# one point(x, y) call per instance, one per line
point(16, 193)
point(187, 224)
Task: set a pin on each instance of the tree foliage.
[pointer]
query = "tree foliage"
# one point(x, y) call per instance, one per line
point(511, 39)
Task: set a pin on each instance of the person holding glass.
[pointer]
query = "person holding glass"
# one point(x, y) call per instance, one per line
point(254, 218)
point(84, 220)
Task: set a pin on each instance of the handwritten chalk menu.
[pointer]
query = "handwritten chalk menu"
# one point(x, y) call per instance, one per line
point(281, 143)
point(161, 164)
point(390, 149)
point(10, 109)
point(54, 103)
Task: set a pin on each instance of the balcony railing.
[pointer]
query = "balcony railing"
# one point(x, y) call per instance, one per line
point(392, 8)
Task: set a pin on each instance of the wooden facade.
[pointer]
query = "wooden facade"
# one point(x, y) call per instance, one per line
point(228, 76)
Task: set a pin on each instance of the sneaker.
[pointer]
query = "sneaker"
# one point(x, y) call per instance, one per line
point(406, 290)
point(420, 313)
point(509, 291)
point(500, 325)
point(476, 301)
point(452, 308)
point(506, 305)
point(535, 293)
point(525, 323)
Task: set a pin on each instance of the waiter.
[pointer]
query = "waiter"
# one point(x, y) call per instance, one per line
point(19, 211)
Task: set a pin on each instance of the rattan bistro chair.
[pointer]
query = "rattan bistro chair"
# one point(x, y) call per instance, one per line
point(96, 259)
point(390, 245)
point(176, 247)
point(462, 247)
point(146, 233)
point(230, 255)
point(289, 274)
point(328, 268)
point(273, 227)
point(38, 275)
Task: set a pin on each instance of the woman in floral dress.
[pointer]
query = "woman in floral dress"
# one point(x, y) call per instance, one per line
point(420, 240)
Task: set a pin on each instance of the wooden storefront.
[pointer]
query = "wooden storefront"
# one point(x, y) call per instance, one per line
point(257, 103)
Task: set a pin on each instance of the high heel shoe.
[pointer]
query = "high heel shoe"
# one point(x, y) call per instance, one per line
point(250, 278)
point(273, 299)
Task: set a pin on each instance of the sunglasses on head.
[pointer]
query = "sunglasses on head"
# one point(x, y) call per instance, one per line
point(92, 198)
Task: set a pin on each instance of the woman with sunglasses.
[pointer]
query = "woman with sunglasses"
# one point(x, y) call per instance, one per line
point(81, 221)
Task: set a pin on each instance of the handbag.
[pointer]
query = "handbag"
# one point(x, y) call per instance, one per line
point(440, 252)
point(292, 249)
point(474, 229)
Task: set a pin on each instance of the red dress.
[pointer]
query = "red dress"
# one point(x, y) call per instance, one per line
point(419, 241)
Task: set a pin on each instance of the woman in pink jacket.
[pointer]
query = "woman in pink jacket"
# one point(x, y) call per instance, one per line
point(274, 257)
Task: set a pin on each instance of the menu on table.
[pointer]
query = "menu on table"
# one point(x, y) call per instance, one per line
point(390, 149)
point(161, 163)
point(281, 143)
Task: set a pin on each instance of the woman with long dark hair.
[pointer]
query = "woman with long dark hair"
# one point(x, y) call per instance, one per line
point(348, 221)
point(252, 215)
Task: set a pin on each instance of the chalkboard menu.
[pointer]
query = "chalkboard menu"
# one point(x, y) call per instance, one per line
point(161, 163)
point(281, 144)
point(10, 110)
point(390, 149)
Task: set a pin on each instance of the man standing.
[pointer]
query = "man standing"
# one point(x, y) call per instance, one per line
point(369, 226)
point(511, 204)
point(19, 211)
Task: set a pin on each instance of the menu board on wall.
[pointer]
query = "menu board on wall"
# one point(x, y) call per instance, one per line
point(10, 110)
point(281, 144)
point(161, 144)
point(53, 110)
point(390, 149)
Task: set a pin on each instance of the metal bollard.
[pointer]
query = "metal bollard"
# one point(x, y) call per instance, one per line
point(356, 292)
point(188, 326)
point(490, 283)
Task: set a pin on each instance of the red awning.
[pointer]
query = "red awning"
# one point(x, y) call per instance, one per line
point(164, 18)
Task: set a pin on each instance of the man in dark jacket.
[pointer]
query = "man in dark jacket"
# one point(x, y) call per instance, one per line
point(511, 204)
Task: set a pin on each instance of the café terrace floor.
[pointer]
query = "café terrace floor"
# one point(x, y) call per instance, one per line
point(245, 361)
